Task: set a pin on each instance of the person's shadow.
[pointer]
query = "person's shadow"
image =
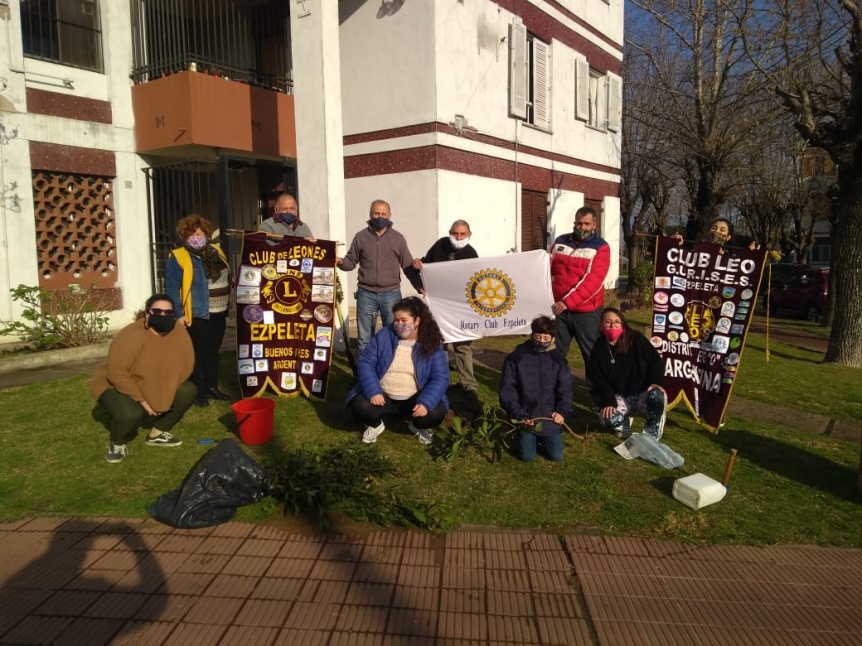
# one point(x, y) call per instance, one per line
point(92, 581)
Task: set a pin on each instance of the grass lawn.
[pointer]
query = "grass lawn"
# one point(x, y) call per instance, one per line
point(787, 487)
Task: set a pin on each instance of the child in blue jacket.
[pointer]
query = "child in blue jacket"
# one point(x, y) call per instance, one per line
point(537, 383)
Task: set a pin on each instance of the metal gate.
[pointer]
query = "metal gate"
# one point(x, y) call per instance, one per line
point(232, 193)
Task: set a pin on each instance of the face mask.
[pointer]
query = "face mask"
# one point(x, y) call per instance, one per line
point(458, 244)
point(612, 334)
point(581, 234)
point(287, 218)
point(541, 346)
point(378, 224)
point(196, 242)
point(403, 330)
point(716, 238)
point(161, 323)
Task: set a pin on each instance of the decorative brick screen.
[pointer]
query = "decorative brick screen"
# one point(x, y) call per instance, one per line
point(74, 230)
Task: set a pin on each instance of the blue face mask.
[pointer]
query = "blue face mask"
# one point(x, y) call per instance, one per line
point(378, 224)
point(287, 218)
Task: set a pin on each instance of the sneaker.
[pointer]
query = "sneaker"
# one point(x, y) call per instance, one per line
point(163, 439)
point(116, 453)
point(625, 432)
point(422, 434)
point(372, 433)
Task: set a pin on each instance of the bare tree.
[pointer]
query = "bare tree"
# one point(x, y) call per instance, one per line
point(708, 114)
point(810, 52)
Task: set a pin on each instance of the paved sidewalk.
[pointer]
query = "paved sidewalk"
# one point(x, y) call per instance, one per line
point(138, 582)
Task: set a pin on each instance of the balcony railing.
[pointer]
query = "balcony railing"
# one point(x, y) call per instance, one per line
point(242, 40)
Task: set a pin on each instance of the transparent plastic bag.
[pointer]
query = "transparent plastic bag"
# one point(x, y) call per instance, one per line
point(645, 446)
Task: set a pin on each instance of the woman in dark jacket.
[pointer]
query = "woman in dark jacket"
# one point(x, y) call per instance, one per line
point(403, 372)
point(626, 374)
point(537, 383)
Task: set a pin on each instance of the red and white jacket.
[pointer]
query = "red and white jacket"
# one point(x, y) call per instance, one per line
point(578, 271)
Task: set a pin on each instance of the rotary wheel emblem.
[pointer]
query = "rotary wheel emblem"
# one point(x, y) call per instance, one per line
point(490, 292)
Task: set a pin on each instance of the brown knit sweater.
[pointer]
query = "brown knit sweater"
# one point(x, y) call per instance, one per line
point(146, 366)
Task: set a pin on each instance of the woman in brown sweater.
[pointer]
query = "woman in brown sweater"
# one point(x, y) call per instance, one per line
point(144, 381)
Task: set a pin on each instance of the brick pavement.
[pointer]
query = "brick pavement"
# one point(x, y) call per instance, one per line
point(103, 581)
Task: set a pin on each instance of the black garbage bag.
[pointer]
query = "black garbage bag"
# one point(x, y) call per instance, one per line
point(222, 480)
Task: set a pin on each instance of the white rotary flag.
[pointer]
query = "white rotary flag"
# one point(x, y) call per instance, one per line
point(495, 296)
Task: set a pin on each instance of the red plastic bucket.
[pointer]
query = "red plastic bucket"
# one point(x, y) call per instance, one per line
point(255, 417)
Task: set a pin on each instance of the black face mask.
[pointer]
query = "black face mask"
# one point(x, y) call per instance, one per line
point(161, 323)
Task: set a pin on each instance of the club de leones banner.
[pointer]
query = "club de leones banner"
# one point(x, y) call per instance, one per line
point(703, 301)
point(495, 296)
point(285, 297)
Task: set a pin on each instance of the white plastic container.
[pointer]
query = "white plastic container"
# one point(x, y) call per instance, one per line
point(698, 490)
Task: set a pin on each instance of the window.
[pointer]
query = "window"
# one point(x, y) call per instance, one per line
point(598, 97)
point(529, 77)
point(63, 31)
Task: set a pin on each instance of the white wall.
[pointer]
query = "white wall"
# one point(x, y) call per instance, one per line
point(490, 206)
point(387, 65)
point(472, 62)
point(611, 233)
point(17, 225)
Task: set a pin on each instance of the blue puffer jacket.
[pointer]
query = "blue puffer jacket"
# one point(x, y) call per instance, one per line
point(536, 384)
point(432, 373)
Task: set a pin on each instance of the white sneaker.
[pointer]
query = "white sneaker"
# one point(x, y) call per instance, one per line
point(372, 433)
point(422, 434)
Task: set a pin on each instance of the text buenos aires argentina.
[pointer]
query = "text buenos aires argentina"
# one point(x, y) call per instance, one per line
point(708, 272)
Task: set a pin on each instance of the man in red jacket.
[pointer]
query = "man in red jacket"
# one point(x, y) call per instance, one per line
point(579, 267)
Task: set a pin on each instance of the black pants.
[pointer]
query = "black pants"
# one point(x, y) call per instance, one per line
point(206, 335)
point(372, 415)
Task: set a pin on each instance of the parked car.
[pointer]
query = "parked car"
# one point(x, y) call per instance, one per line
point(802, 292)
point(774, 274)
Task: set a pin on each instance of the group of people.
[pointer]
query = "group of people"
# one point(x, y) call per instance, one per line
point(167, 360)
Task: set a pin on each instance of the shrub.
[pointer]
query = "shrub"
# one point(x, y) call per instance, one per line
point(62, 319)
point(642, 281)
point(345, 480)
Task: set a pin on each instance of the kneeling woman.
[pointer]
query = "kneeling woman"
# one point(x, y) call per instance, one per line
point(403, 372)
point(626, 375)
point(144, 382)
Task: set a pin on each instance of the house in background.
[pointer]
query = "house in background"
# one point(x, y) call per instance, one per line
point(119, 118)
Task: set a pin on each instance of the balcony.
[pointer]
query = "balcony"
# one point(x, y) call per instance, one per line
point(196, 109)
point(214, 73)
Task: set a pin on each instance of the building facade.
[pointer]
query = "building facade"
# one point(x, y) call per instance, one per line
point(119, 118)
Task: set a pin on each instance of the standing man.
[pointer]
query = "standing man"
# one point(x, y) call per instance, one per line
point(285, 219)
point(381, 253)
point(454, 247)
point(579, 266)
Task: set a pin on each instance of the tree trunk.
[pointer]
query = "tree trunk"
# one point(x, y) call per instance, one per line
point(845, 279)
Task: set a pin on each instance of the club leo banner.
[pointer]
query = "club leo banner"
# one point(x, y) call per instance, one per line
point(703, 302)
point(285, 296)
point(496, 296)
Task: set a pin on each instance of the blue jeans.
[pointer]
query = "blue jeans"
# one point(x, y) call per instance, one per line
point(368, 304)
point(651, 405)
point(528, 443)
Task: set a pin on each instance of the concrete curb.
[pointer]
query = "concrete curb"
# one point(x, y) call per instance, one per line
point(32, 360)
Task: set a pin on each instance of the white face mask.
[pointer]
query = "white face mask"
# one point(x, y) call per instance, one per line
point(458, 244)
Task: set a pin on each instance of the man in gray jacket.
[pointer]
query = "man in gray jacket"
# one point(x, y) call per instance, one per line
point(285, 219)
point(381, 253)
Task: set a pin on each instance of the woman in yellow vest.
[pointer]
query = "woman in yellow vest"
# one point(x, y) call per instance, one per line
point(198, 282)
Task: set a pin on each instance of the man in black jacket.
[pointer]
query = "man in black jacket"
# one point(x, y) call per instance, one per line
point(454, 247)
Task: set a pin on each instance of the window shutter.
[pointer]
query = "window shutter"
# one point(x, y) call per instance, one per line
point(541, 84)
point(582, 90)
point(615, 103)
point(518, 70)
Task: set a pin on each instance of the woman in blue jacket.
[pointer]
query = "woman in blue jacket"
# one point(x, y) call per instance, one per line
point(536, 383)
point(403, 372)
